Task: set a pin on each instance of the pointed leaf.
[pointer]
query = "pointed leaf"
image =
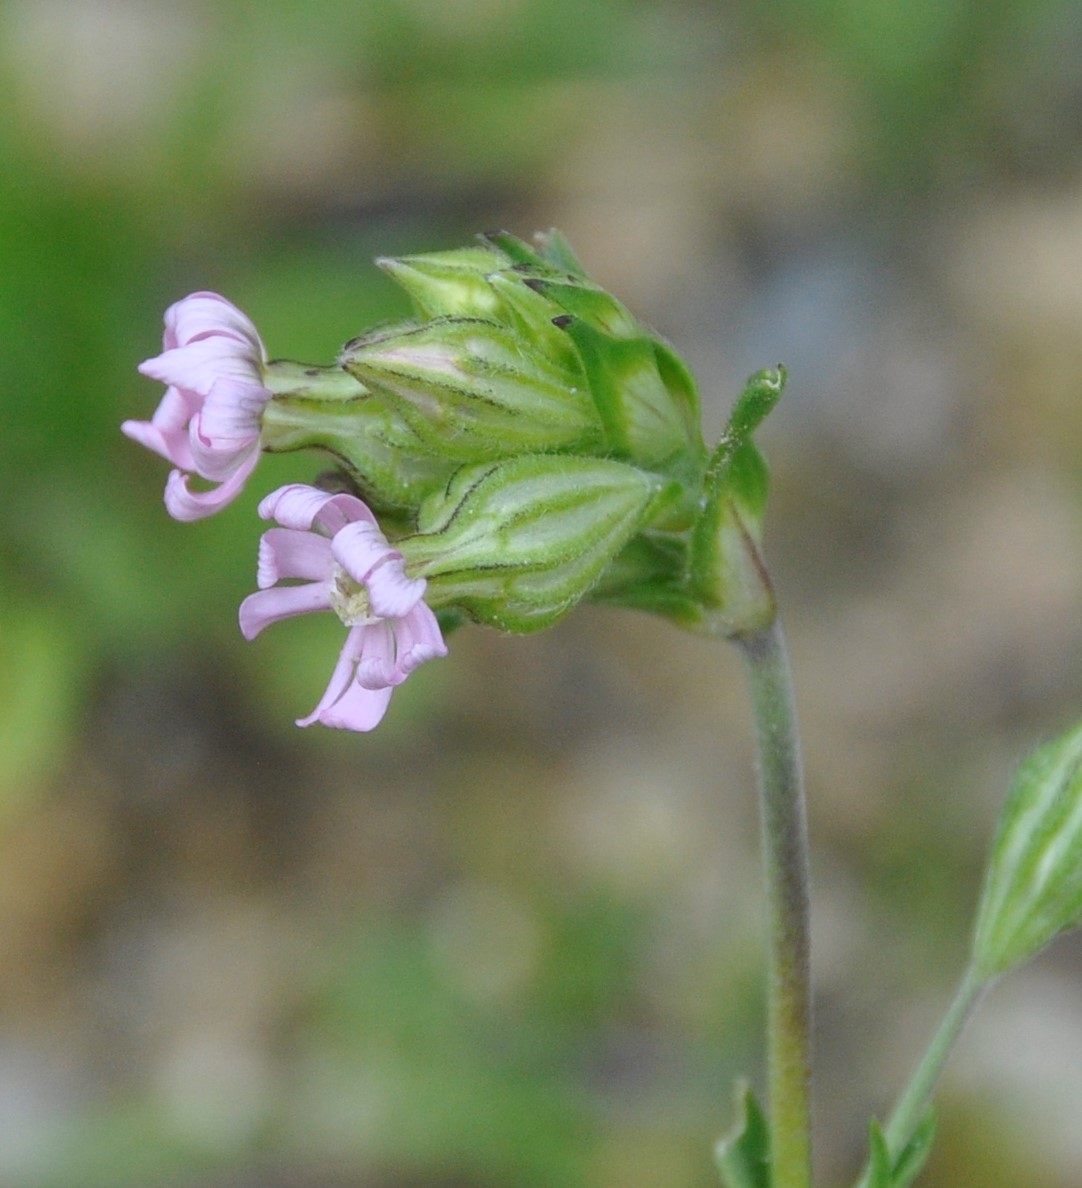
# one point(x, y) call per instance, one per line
point(743, 1156)
point(885, 1171)
point(1033, 889)
point(555, 250)
point(914, 1154)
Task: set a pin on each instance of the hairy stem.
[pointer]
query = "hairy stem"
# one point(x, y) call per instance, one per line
point(785, 849)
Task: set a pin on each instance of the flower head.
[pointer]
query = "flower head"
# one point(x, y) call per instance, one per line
point(208, 421)
point(333, 546)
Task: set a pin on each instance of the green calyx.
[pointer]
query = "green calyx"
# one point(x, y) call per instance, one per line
point(328, 410)
point(473, 389)
point(517, 543)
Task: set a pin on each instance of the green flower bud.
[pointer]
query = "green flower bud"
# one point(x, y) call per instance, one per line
point(328, 409)
point(645, 398)
point(516, 543)
point(727, 570)
point(552, 254)
point(1033, 889)
point(487, 283)
point(473, 389)
point(449, 284)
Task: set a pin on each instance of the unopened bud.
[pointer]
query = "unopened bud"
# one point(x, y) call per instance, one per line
point(516, 543)
point(449, 284)
point(473, 389)
point(328, 409)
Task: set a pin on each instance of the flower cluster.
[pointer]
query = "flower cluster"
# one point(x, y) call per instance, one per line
point(520, 445)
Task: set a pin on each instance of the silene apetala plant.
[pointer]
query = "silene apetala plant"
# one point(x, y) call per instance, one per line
point(522, 444)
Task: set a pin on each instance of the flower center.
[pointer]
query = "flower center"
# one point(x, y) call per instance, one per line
point(349, 601)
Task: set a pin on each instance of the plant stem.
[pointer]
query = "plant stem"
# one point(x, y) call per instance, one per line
point(785, 850)
point(913, 1104)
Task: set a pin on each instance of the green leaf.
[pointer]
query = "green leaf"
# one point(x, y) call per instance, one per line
point(743, 1155)
point(1033, 889)
point(914, 1154)
point(900, 1171)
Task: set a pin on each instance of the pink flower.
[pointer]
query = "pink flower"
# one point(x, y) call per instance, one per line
point(208, 421)
point(333, 544)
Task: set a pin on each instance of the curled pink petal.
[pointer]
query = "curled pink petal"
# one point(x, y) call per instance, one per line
point(265, 607)
point(363, 552)
point(187, 505)
point(287, 553)
point(209, 420)
point(376, 666)
point(418, 638)
point(335, 545)
point(197, 365)
point(346, 704)
point(227, 427)
point(304, 507)
point(201, 314)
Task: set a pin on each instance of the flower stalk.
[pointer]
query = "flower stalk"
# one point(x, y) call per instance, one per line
point(785, 852)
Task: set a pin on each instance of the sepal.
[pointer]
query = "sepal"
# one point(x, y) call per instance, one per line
point(517, 543)
point(1033, 889)
point(743, 1155)
point(552, 251)
point(650, 574)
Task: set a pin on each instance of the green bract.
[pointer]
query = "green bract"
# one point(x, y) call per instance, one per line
point(727, 570)
point(1033, 889)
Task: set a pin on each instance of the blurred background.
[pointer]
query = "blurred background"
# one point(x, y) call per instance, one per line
point(513, 939)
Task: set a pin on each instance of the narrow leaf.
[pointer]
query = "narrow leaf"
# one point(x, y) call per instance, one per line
point(743, 1155)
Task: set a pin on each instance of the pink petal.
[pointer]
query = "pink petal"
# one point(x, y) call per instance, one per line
point(166, 433)
point(376, 668)
point(391, 593)
point(357, 709)
point(227, 427)
point(303, 507)
point(202, 314)
point(261, 609)
point(288, 553)
point(346, 705)
point(172, 447)
point(233, 411)
point(186, 505)
point(363, 552)
point(198, 364)
point(418, 639)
